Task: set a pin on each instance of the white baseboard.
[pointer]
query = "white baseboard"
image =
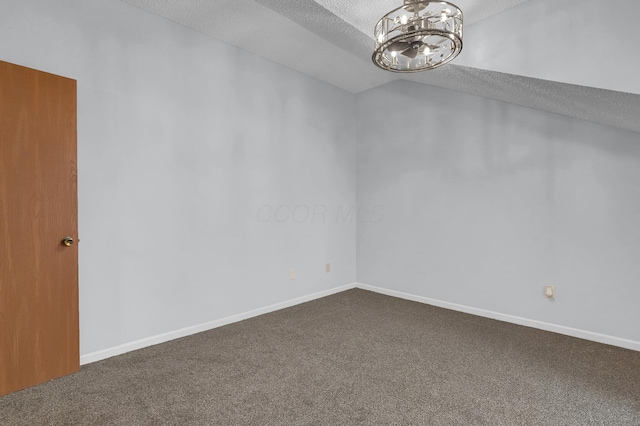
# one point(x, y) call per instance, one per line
point(165, 337)
point(560, 329)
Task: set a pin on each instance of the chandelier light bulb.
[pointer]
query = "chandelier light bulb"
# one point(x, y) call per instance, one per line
point(435, 26)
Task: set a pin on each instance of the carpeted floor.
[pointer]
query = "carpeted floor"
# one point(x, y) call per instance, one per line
point(352, 358)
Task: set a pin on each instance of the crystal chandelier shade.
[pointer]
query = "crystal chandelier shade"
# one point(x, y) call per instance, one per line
point(419, 36)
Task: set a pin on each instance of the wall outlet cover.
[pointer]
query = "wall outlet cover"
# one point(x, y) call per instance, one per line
point(550, 291)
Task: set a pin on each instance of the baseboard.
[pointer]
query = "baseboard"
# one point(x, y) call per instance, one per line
point(560, 329)
point(165, 337)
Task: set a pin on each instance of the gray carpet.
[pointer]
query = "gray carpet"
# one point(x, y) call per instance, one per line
point(349, 359)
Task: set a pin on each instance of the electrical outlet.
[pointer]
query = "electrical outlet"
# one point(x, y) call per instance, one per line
point(328, 267)
point(550, 291)
point(292, 274)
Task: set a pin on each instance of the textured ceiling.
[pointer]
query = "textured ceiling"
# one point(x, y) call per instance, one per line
point(363, 14)
point(550, 59)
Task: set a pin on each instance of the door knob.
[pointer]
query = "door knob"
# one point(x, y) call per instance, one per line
point(67, 241)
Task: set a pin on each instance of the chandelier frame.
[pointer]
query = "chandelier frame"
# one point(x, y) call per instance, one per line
point(411, 27)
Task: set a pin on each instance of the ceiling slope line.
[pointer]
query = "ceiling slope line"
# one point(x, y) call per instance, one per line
point(608, 107)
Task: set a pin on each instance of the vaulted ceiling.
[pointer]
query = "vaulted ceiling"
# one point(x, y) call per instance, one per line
point(573, 57)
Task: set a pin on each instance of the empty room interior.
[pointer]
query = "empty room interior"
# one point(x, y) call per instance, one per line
point(322, 212)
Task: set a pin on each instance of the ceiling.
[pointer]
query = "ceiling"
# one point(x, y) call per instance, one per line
point(543, 54)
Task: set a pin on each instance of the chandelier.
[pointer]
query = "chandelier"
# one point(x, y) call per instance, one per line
point(419, 36)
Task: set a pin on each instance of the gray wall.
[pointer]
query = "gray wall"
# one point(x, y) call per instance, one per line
point(187, 147)
point(483, 203)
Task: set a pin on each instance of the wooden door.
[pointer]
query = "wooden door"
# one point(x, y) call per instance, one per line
point(39, 337)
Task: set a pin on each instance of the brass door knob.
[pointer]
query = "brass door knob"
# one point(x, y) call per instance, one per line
point(67, 241)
